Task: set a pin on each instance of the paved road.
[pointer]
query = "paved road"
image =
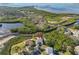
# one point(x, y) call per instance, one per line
point(4, 40)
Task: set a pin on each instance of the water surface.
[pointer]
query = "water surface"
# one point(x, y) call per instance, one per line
point(8, 26)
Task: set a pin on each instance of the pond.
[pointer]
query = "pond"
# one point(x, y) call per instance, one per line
point(8, 26)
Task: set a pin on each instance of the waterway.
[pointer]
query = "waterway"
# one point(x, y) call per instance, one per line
point(8, 26)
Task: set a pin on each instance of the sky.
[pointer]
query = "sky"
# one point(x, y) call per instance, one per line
point(52, 7)
point(30, 4)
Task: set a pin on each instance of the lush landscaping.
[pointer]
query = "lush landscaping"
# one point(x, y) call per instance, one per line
point(60, 42)
point(57, 40)
point(31, 16)
point(33, 21)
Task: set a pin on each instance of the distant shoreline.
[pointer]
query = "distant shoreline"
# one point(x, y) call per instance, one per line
point(51, 11)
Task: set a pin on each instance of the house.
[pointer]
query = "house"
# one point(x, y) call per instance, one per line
point(40, 40)
point(47, 50)
point(67, 31)
point(75, 32)
point(77, 22)
point(76, 49)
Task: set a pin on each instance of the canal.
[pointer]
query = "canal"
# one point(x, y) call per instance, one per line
point(8, 26)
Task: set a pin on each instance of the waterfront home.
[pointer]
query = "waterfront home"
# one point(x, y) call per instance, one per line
point(29, 42)
point(47, 50)
point(67, 31)
point(39, 38)
point(76, 49)
point(75, 32)
point(77, 22)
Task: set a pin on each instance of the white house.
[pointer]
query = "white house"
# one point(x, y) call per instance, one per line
point(75, 32)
